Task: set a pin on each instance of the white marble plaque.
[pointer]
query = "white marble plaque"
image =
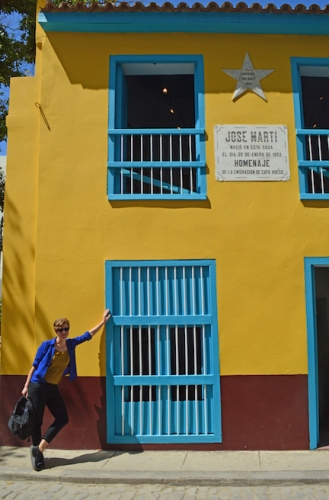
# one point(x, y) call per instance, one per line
point(251, 153)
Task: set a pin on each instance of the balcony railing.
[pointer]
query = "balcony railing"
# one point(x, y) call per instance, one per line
point(162, 162)
point(313, 160)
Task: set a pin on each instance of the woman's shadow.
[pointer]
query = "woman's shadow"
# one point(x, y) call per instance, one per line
point(98, 456)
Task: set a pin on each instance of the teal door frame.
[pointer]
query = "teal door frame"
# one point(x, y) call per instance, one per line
point(313, 394)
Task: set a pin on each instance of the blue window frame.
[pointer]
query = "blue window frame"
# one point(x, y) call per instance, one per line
point(156, 129)
point(162, 352)
point(310, 77)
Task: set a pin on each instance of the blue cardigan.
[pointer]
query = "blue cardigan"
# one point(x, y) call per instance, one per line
point(46, 353)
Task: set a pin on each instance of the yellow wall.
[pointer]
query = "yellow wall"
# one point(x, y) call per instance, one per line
point(258, 232)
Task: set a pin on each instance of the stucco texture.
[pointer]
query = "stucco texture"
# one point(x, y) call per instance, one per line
point(60, 227)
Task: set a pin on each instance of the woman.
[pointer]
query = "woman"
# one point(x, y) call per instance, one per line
point(54, 359)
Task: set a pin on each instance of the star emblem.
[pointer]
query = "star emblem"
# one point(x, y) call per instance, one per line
point(248, 78)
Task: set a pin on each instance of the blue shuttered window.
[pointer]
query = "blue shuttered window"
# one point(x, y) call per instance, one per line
point(310, 78)
point(156, 128)
point(162, 352)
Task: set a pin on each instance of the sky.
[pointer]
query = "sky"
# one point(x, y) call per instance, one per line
point(293, 3)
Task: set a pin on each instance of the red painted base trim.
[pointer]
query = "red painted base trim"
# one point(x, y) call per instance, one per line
point(258, 413)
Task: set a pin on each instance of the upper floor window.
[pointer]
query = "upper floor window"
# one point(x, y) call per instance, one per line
point(156, 128)
point(311, 98)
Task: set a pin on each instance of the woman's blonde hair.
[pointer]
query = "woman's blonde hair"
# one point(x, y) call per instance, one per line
point(61, 321)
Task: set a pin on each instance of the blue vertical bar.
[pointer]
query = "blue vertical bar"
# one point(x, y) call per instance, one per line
point(200, 145)
point(313, 398)
point(217, 422)
point(109, 353)
point(111, 139)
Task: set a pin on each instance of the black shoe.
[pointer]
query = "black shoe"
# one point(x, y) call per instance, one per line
point(37, 459)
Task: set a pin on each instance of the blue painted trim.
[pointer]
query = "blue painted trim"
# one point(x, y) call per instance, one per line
point(159, 263)
point(313, 408)
point(157, 164)
point(157, 131)
point(172, 438)
point(109, 362)
point(311, 196)
point(116, 128)
point(164, 197)
point(313, 398)
point(163, 320)
point(312, 131)
point(296, 89)
point(111, 124)
point(200, 121)
point(296, 63)
point(174, 380)
point(310, 61)
point(157, 58)
point(313, 163)
point(208, 379)
point(188, 22)
point(215, 350)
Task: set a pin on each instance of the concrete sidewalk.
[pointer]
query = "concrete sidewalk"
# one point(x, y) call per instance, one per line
point(238, 468)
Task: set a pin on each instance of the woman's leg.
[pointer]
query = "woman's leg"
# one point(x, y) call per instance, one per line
point(38, 394)
point(57, 408)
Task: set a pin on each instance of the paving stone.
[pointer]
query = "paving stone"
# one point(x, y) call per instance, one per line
point(322, 495)
point(145, 491)
point(213, 491)
point(221, 494)
point(24, 496)
point(12, 495)
point(129, 495)
point(148, 496)
point(167, 491)
point(54, 488)
point(177, 495)
point(4, 493)
point(191, 491)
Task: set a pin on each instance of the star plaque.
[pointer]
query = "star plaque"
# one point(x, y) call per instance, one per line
point(248, 78)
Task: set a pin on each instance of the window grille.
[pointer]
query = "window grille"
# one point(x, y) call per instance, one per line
point(156, 163)
point(163, 376)
point(314, 159)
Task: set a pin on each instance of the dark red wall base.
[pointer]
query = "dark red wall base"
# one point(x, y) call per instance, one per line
point(258, 413)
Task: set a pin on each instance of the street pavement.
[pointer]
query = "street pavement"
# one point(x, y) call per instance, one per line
point(47, 490)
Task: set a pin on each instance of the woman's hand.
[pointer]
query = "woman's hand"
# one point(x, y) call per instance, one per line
point(106, 316)
point(25, 391)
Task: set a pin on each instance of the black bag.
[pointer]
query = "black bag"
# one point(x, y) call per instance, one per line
point(22, 419)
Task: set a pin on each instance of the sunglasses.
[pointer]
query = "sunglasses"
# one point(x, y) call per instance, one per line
point(65, 329)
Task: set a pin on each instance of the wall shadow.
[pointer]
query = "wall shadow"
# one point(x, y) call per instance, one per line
point(101, 408)
point(166, 205)
point(85, 64)
point(315, 203)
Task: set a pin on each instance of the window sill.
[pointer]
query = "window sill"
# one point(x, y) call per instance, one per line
point(315, 196)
